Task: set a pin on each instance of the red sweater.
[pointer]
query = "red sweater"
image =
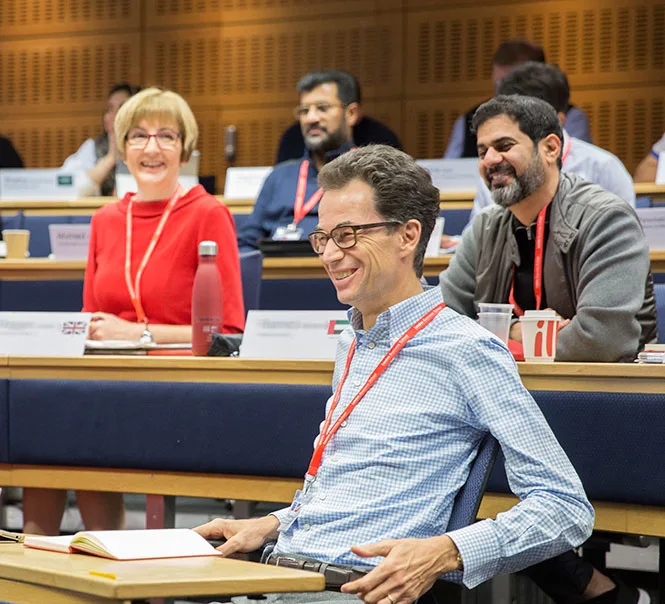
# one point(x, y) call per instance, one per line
point(166, 284)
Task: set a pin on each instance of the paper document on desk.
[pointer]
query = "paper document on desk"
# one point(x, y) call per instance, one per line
point(128, 545)
point(44, 334)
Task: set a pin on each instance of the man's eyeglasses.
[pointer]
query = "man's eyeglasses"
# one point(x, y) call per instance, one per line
point(319, 108)
point(345, 236)
point(166, 138)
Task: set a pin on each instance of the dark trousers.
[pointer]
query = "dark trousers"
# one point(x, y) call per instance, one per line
point(563, 578)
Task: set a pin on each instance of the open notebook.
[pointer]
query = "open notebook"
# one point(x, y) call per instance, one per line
point(128, 545)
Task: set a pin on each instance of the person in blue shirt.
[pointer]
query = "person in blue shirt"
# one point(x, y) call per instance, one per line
point(287, 205)
point(392, 453)
point(510, 54)
point(648, 167)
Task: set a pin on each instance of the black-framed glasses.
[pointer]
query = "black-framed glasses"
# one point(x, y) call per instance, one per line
point(344, 236)
point(166, 138)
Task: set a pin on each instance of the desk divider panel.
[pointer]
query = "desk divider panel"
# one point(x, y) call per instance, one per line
point(4, 421)
point(614, 440)
point(242, 429)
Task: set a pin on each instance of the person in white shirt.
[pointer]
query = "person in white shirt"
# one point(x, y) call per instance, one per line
point(93, 164)
point(647, 168)
point(548, 83)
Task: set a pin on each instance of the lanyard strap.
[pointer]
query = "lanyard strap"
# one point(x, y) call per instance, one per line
point(134, 288)
point(328, 431)
point(300, 207)
point(537, 266)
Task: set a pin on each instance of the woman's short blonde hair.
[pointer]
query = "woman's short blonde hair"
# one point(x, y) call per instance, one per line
point(157, 103)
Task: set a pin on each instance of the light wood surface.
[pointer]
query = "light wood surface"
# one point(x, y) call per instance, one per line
point(306, 267)
point(449, 200)
point(69, 575)
point(589, 377)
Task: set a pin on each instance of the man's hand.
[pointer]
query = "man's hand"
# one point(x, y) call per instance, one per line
point(242, 536)
point(516, 328)
point(410, 568)
point(105, 326)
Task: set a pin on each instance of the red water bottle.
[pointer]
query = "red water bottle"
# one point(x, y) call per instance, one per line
point(206, 299)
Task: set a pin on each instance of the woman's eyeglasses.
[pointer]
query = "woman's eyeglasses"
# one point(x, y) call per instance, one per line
point(166, 138)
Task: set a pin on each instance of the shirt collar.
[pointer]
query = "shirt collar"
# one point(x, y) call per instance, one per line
point(392, 323)
point(330, 155)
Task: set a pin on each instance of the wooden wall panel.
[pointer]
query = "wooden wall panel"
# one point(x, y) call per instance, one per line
point(48, 17)
point(626, 122)
point(258, 131)
point(47, 142)
point(187, 61)
point(263, 63)
point(427, 124)
point(64, 75)
point(169, 13)
point(597, 43)
point(211, 142)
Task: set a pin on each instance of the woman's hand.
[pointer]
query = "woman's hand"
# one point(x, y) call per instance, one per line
point(105, 326)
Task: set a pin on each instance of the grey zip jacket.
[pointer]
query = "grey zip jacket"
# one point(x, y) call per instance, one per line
point(596, 271)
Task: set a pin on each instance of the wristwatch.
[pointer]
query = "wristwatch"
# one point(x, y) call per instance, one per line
point(460, 562)
point(146, 336)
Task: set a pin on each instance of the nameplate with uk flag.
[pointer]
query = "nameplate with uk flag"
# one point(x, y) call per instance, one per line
point(292, 334)
point(44, 334)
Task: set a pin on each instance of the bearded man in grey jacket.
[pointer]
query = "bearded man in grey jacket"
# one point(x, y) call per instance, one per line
point(595, 267)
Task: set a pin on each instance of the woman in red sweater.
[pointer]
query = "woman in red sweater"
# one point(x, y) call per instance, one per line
point(142, 259)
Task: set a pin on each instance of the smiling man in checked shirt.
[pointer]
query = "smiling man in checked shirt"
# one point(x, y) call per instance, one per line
point(389, 472)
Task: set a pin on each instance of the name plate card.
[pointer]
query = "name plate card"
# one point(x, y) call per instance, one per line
point(245, 183)
point(660, 170)
point(37, 185)
point(69, 241)
point(44, 334)
point(653, 223)
point(292, 334)
point(452, 174)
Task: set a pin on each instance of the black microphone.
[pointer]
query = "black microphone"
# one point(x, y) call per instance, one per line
point(230, 144)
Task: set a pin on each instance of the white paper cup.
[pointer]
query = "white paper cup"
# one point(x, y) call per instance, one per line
point(540, 330)
point(486, 307)
point(17, 241)
point(496, 322)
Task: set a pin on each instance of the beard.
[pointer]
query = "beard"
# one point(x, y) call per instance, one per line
point(522, 186)
point(326, 141)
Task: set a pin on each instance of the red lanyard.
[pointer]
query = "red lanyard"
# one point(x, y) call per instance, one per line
point(327, 432)
point(300, 207)
point(134, 288)
point(539, 253)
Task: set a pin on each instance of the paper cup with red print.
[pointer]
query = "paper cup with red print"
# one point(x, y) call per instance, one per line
point(540, 329)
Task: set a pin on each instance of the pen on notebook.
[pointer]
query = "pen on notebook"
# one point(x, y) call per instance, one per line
point(18, 537)
point(96, 573)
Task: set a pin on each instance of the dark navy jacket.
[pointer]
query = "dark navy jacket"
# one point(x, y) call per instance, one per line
point(274, 205)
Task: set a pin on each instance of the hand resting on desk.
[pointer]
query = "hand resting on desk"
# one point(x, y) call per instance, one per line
point(242, 536)
point(105, 326)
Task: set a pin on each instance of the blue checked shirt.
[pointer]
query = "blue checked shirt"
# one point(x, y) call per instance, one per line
point(393, 469)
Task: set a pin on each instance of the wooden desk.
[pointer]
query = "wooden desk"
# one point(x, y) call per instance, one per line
point(307, 267)
point(449, 200)
point(619, 517)
point(30, 575)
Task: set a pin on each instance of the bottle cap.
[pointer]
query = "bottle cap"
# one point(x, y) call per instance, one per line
point(207, 248)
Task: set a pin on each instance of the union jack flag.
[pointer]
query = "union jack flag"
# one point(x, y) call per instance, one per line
point(71, 328)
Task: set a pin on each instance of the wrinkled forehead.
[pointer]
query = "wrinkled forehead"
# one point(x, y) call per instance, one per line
point(351, 204)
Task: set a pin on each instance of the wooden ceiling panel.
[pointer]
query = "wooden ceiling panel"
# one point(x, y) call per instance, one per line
point(48, 17)
point(597, 43)
point(64, 74)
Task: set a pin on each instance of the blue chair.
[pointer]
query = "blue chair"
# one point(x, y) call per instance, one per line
point(251, 269)
point(659, 294)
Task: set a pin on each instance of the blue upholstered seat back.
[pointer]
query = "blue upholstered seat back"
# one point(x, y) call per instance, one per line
point(613, 440)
